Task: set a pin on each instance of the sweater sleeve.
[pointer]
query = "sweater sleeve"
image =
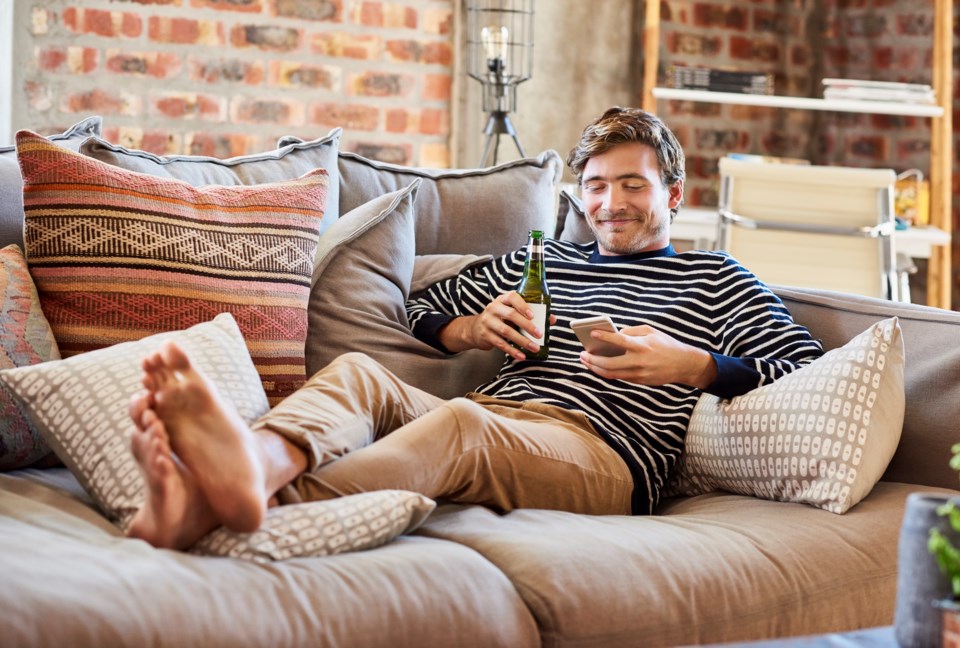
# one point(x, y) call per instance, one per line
point(467, 293)
point(759, 341)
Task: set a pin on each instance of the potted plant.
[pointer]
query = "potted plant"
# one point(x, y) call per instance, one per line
point(947, 556)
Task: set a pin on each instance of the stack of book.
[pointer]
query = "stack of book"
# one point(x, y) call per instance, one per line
point(878, 91)
point(701, 78)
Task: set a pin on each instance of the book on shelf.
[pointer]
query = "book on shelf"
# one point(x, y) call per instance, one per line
point(766, 159)
point(717, 80)
point(878, 91)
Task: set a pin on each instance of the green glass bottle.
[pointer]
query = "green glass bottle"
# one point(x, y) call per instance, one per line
point(533, 288)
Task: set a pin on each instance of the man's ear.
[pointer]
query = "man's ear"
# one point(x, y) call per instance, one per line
point(676, 194)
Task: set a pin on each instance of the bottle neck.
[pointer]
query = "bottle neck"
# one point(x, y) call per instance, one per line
point(534, 270)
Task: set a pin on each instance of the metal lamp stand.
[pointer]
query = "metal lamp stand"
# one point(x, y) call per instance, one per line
point(498, 123)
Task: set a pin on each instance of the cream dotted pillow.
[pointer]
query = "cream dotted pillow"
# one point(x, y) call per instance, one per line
point(80, 404)
point(350, 523)
point(822, 435)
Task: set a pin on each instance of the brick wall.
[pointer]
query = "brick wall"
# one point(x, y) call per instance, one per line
point(228, 77)
point(801, 42)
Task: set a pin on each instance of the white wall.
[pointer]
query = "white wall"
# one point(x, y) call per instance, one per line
point(6, 71)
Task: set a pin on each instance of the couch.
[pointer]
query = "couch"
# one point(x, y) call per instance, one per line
point(714, 566)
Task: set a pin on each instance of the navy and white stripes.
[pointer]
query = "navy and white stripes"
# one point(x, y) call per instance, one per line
point(705, 299)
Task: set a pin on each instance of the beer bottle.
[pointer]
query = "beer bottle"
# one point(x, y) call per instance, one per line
point(533, 289)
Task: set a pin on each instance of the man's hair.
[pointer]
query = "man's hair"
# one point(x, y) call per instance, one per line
point(623, 125)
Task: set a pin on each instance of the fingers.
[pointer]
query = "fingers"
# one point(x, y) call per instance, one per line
point(499, 324)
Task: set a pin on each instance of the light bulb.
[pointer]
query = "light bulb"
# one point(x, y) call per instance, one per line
point(495, 44)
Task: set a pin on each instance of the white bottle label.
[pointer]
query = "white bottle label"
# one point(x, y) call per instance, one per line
point(540, 319)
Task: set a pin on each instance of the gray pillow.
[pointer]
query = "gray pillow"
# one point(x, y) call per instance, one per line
point(462, 211)
point(11, 182)
point(571, 221)
point(364, 269)
point(287, 162)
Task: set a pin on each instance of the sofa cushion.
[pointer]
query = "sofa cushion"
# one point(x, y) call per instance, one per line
point(63, 562)
point(11, 182)
point(322, 528)
point(288, 162)
point(469, 211)
point(118, 255)
point(79, 404)
point(361, 283)
point(25, 339)
point(821, 435)
point(931, 372)
point(708, 569)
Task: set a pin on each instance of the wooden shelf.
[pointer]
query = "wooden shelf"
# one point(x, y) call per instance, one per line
point(801, 103)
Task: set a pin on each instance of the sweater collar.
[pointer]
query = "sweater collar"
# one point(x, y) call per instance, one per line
point(596, 257)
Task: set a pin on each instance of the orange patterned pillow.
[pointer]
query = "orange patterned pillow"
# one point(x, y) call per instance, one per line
point(118, 255)
point(25, 339)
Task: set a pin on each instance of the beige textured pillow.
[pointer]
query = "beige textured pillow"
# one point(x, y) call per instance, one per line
point(361, 282)
point(822, 435)
point(79, 405)
point(325, 528)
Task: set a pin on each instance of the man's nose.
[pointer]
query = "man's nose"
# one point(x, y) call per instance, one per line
point(613, 200)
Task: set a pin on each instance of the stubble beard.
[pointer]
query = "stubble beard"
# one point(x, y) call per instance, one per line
point(614, 242)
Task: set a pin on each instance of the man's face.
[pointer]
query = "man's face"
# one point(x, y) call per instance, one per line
point(626, 203)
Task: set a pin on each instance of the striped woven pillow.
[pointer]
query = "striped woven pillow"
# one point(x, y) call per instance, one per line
point(118, 255)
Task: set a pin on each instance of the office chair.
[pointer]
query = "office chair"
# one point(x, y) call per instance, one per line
point(821, 227)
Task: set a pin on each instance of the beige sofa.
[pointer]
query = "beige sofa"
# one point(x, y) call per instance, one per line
point(707, 568)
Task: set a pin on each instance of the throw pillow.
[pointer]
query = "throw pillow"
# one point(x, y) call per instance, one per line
point(79, 404)
point(571, 220)
point(286, 163)
point(822, 435)
point(25, 339)
point(325, 528)
point(118, 255)
point(462, 211)
point(11, 182)
point(361, 283)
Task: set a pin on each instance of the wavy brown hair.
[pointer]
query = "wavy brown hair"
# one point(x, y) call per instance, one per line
point(623, 125)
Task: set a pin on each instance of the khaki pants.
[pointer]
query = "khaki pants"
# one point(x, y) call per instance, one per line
point(362, 429)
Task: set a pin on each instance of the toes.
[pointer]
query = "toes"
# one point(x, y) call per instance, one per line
point(174, 357)
point(139, 403)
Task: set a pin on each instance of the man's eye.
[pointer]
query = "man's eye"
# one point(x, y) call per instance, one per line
point(635, 187)
point(593, 188)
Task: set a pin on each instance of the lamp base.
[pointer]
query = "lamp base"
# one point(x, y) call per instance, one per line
point(498, 123)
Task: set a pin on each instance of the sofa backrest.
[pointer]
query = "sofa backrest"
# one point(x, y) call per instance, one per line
point(931, 339)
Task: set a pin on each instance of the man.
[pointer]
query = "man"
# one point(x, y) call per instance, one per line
point(576, 432)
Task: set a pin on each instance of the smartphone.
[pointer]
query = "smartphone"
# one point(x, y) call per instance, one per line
point(582, 328)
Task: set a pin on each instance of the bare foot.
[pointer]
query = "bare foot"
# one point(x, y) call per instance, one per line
point(175, 514)
point(207, 434)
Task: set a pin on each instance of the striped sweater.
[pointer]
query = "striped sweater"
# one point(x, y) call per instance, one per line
point(705, 299)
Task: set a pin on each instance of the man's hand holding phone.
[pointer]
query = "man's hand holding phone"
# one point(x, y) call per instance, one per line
point(583, 329)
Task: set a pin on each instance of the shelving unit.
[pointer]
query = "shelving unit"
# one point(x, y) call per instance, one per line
point(941, 143)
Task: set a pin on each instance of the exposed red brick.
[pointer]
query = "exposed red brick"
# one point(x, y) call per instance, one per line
point(185, 31)
point(380, 84)
point(219, 145)
point(707, 15)
point(249, 6)
point(51, 58)
point(358, 46)
point(99, 102)
point(82, 60)
point(159, 65)
point(287, 112)
point(330, 10)
point(293, 74)
point(111, 24)
point(189, 105)
point(232, 70)
point(430, 52)
point(437, 87)
point(694, 44)
point(752, 49)
point(437, 21)
point(392, 153)
point(872, 147)
point(349, 116)
point(427, 121)
point(266, 37)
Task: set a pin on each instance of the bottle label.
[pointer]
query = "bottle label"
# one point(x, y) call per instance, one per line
point(540, 319)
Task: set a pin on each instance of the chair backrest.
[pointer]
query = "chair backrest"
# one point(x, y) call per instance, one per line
point(820, 227)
